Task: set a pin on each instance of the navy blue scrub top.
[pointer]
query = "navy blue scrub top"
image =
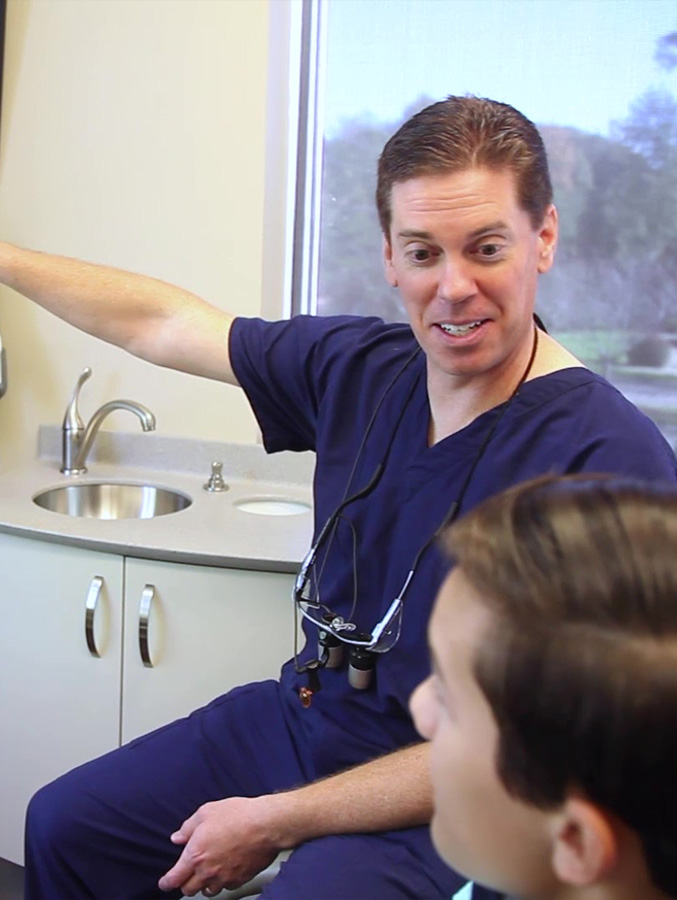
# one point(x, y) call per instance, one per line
point(314, 383)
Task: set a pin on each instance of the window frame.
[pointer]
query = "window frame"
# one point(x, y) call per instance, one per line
point(293, 166)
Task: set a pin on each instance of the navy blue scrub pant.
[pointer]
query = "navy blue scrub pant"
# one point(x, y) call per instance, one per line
point(102, 830)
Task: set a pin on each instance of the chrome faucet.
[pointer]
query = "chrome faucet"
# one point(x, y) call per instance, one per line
point(77, 440)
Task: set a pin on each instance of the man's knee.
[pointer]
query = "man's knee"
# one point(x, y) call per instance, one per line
point(398, 866)
point(52, 814)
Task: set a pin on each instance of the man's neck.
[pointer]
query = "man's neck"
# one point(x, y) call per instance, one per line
point(455, 411)
point(455, 402)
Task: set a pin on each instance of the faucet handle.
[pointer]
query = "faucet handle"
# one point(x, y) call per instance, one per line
point(72, 420)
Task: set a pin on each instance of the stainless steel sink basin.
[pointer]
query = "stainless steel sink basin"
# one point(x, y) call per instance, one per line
point(114, 500)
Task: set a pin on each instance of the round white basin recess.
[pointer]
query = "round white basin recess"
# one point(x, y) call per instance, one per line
point(272, 506)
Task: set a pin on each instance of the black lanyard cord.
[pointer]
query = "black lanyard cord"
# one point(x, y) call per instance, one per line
point(451, 514)
point(455, 507)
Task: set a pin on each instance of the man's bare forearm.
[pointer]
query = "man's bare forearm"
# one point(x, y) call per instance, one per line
point(391, 792)
point(150, 318)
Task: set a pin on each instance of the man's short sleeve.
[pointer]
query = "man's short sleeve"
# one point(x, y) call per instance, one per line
point(294, 369)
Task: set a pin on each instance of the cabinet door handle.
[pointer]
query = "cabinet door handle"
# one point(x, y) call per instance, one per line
point(147, 597)
point(93, 595)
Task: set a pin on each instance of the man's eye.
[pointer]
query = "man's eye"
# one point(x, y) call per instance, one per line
point(489, 250)
point(420, 254)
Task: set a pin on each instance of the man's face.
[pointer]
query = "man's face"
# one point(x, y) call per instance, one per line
point(466, 259)
point(477, 827)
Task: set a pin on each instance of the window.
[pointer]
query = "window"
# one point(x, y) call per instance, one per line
point(598, 78)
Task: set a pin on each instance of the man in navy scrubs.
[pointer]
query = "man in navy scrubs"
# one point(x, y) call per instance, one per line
point(412, 425)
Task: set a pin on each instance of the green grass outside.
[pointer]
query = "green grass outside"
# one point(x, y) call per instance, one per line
point(664, 417)
point(596, 347)
point(642, 374)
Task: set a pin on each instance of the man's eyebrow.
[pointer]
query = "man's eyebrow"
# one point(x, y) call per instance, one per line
point(498, 225)
point(414, 233)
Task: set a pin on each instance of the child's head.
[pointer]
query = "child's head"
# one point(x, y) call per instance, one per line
point(552, 708)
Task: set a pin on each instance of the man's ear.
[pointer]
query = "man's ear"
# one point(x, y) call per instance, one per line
point(388, 268)
point(547, 239)
point(585, 846)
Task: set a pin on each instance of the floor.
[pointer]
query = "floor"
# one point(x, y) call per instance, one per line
point(11, 881)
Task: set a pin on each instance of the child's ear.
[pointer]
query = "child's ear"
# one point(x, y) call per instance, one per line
point(585, 845)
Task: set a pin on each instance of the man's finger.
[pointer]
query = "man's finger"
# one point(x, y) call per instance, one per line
point(180, 872)
point(199, 884)
point(182, 834)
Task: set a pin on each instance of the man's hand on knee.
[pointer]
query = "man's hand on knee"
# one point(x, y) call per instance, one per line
point(230, 841)
point(227, 842)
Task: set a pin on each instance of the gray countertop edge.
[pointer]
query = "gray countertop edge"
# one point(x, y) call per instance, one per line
point(212, 531)
point(149, 551)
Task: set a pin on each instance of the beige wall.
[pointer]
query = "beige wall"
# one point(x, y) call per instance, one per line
point(133, 133)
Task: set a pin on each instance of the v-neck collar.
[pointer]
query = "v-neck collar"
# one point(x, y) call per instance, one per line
point(468, 439)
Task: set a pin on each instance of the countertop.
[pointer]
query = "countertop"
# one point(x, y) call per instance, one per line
point(211, 531)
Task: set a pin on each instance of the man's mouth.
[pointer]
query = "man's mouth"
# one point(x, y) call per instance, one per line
point(459, 330)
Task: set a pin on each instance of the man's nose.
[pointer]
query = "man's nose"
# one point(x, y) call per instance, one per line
point(457, 281)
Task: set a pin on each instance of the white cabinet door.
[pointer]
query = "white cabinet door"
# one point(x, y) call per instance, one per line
point(59, 704)
point(209, 629)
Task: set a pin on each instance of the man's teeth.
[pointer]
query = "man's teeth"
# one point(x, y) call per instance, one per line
point(460, 329)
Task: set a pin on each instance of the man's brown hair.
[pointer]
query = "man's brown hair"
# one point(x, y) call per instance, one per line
point(462, 133)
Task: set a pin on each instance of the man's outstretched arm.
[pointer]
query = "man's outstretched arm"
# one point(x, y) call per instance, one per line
point(227, 842)
point(151, 319)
